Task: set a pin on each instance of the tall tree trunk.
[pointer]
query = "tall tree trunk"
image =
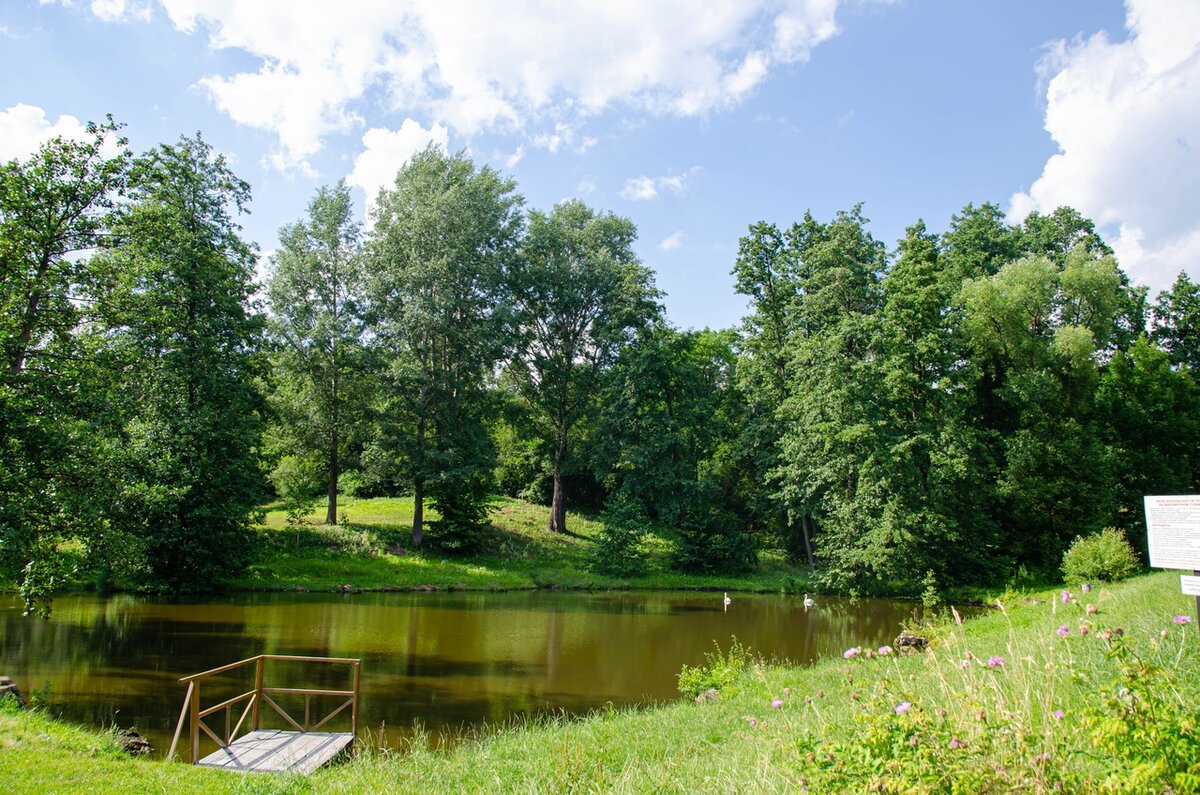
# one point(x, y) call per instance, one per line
point(418, 532)
point(558, 505)
point(418, 513)
point(331, 514)
point(806, 526)
point(558, 502)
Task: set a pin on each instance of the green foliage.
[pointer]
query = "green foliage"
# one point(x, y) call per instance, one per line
point(57, 415)
point(321, 378)
point(712, 540)
point(579, 295)
point(1144, 724)
point(179, 318)
point(721, 673)
point(620, 547)
point(443, 239)
point(1105, 556)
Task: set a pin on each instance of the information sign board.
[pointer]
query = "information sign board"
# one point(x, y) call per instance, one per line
point(1173, 531)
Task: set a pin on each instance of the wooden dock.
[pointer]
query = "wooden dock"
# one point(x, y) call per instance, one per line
point(276, 751)
point(268, 750)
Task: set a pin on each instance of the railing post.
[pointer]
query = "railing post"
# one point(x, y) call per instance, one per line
point(194, 720)
point(258, 689)
point(354, 705)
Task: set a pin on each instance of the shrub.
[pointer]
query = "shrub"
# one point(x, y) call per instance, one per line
point(1106, 555)
point(619, 550)
point(722, 671)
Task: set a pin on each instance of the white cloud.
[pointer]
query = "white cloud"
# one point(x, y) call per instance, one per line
point(511, 161)
point(643, 188)
point(586, 186)
point(513, 64)
point(385, 151)
point(671, 241)
point(116, 10)
point(23, 128)
point(1126, 118)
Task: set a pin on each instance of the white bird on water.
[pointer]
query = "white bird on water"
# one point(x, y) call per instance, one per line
point(809, 602)
point(727, 601)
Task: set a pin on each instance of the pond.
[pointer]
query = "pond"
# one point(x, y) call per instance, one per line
point(451, 662)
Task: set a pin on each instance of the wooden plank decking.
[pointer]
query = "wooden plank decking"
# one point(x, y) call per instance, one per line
point(272, 751)
point(268, 750)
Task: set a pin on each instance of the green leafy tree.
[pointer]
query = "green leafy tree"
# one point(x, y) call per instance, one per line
point(315, 296)
point(1150, 421)
point(830, 467)
point(766, 271)
point(56, 207)
point(580, 295)
point(1177, 322)
point(181, 279)
point(932, 514)
point(443, 239)
point(670, 411)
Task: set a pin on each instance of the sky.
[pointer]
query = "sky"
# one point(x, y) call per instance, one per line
point(693, 118)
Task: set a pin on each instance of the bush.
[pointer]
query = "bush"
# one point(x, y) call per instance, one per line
point(1106, 556)
point(722, 671)
point(619, 550)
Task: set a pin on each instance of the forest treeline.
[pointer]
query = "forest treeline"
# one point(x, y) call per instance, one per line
point(940, 414)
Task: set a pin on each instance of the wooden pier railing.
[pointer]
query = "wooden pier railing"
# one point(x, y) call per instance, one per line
point(194, 714)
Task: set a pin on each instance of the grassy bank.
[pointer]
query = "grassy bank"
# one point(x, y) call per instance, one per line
point(370, 549)
point(1039, 697)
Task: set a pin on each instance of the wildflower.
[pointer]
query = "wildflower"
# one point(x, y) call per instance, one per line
point(957, 743)
point(913, 741)
point(1084, 629)
point(965, 664)
point(787, 691)
point(1045, 757)
point(903, 707)
point(855, 696)
point(851, 653)
point(1087, 587)
point(1091, 609)
point(1163, 634)
point(820, 694)
point(1058, 714)
point(1106, 634)
point(885, 651)
point(1118, 631)
point(1066, 597)
point(753, 722)
point(777, 703)
point(1062, 631)
point(1183, 619)
point(808, 699)
point(995, 662)
point(869, 653)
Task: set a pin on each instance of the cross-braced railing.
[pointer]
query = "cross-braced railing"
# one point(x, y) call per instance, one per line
point(194, 715)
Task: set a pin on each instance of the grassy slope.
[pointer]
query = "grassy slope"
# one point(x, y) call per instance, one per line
point(970, 727)
point(370, 553)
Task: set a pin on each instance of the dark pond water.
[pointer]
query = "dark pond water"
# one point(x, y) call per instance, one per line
point(451, 661)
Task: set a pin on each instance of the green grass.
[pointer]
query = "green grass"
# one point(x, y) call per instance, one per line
point(1130, 722)
point(370, 550)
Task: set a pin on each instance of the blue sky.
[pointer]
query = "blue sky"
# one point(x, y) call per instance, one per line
point(695, 119)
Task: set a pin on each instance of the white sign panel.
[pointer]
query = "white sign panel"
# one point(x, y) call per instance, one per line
point(1190, 584)
point(1173, 532)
